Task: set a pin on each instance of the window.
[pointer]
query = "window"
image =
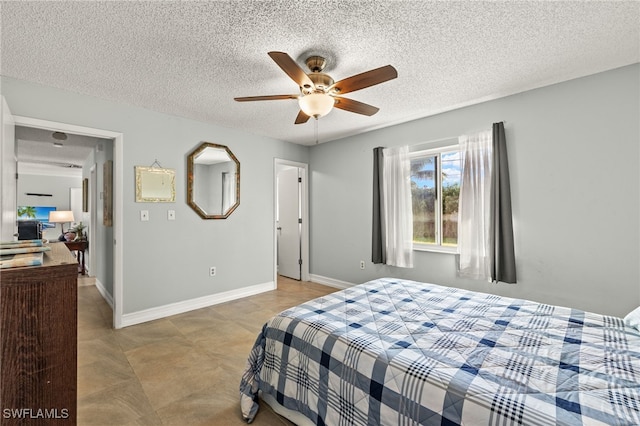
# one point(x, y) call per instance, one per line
point(435, 187)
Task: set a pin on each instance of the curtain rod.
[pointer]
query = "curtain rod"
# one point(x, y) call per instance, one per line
point(434, 141)
point(425, 144)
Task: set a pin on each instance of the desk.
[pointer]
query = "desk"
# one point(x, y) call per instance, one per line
point(79, 246)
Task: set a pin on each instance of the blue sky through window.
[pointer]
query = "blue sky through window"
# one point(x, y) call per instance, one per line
point(450, 167)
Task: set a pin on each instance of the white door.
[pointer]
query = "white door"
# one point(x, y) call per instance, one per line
point(8, 182)
point(288, 224)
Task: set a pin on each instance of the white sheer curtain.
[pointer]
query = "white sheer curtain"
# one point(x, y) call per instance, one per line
point(397, 206)
point(475, 205)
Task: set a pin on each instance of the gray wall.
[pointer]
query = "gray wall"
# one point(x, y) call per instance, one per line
point(574, 158)
point(168, 261)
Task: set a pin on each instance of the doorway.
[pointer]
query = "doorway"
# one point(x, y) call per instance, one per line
point(291, 220)
point(115, 299)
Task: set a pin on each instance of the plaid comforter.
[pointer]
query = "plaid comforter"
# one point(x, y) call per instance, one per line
point(398, 352)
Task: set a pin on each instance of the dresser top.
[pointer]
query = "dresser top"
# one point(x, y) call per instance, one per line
point(59, 255)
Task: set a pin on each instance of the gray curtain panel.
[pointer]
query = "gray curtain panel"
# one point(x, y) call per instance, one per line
point(503, 260)
point(378, 243)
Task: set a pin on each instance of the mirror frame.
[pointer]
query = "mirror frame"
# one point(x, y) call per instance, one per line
point(140, 198)
point(190, 177)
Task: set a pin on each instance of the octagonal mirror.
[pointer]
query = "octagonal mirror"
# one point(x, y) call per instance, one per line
point(213, 181)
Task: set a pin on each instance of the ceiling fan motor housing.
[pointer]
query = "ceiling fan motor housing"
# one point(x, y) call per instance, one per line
point(316, 63)
point(321, 81)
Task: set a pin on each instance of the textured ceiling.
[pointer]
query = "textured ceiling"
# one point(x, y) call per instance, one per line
point(191, 59)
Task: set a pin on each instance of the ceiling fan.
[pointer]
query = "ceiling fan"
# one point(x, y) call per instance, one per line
point(319, 93)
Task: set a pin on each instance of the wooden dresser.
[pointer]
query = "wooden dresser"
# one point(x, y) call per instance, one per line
point(38, 333)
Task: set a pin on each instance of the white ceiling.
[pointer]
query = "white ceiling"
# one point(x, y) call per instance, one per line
point(191, 59)
point(37, 153)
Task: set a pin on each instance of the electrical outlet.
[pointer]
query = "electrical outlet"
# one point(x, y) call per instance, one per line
point(144, 215)
point(362, 264)
point(212, 271)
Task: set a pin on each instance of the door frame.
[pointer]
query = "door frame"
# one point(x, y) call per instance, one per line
point(8, 174)
point(278, 162)
point(93, 213)
point(118, 214)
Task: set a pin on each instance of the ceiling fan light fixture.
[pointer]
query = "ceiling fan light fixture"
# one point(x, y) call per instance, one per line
point(316, 104)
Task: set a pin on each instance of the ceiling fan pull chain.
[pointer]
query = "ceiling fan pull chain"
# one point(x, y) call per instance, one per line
point(315, 128)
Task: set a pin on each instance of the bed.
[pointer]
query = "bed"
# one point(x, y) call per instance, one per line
point(400, 352)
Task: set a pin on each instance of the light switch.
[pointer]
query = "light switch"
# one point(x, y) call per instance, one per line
point(144, 215)
point(171, 214)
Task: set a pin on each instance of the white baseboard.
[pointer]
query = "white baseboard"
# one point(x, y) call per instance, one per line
point(193, 304)
point(331, 282)
point(103, 291)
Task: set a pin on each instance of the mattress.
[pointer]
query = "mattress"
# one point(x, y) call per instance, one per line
point(400, 352)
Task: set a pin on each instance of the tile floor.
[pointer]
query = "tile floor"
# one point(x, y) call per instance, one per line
point(181, 370)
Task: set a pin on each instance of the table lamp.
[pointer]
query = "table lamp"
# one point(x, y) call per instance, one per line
point(61, 216)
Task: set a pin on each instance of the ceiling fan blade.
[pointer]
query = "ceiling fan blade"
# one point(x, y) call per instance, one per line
point(301, 118)
point(292, 69)
point(355, 106)
point(365, 79)
point(265, 98)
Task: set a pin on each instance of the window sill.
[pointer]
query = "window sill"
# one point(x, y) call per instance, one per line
point(435, 249)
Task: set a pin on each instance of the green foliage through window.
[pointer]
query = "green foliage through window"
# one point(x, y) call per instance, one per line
point(435, 189)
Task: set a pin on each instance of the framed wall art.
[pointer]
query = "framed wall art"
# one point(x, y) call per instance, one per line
point(155, 185)
point(107, 202)
point(85, 195)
